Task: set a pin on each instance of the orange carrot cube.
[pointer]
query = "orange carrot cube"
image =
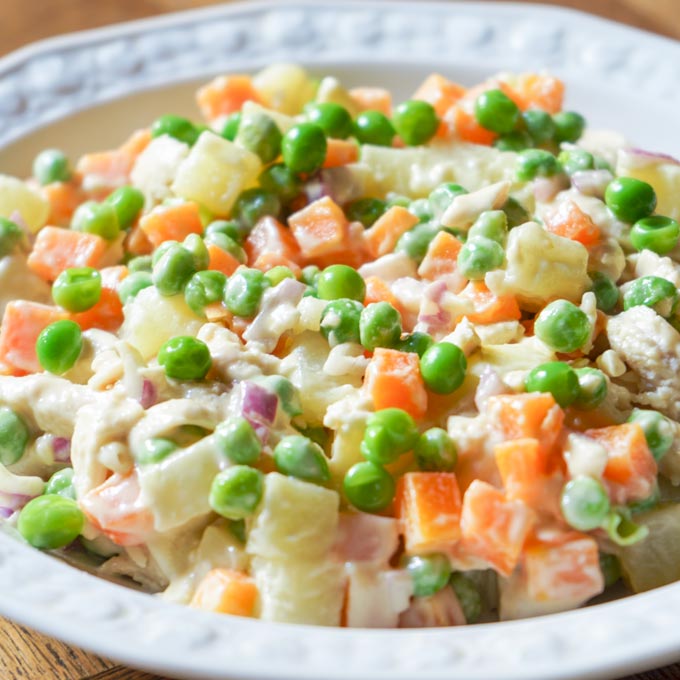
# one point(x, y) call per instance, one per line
point(320, 228)
point(64, 198)
point(381, 238)
point(226, 94)
point(221, 261)
point(171, 222)
point(467, 127)
point(270, 236)
point(540, 92)
point(226, 591)
point(441, 257)
point(340, 152)
point(429, 506)
point(571, 222)
point(489, 307)
point(373, 99)
point(440, 92)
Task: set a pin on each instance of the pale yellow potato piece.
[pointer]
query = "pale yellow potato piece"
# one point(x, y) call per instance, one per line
point(18, 196)
point(286, 87)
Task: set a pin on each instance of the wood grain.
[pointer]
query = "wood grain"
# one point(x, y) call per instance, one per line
point(25, 654)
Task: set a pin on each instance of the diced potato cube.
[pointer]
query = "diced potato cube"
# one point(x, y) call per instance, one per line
point(287, 87)
point(330, 90)
point(215, 172)
point(252, 109)
point(296, 520)
point(17, 196)
point(300, 591)
point(156, 167)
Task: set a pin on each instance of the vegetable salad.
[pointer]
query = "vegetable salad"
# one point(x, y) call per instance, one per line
point(331, 359)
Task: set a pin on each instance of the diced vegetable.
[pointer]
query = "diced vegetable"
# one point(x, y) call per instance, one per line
point(225, 591)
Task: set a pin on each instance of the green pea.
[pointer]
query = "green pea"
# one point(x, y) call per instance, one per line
point(141, 263)
point(320, 435)
point(50, 522)
point(244, 291)
point(297, 456)
point(422, 209)
point(254, 204)
point(279, 273)
point(236, 492)
point(657, 233)
point(333, 119)
point(379, 326)
point(50, 166)
point(515, 213)
point(611, 569)
point(14, 436)
point(646, 504)
point(100, 219)
point(539, 124)
point(584, 503)
point(340, 281)
point(340, 321)
point(468, 596)
point(11, 236)
point(288, 394)
point(417, 343)
point(495, 111)
point(154, 450)
point(128, 203)
point(657, 428)
point(227, 244)
point(389, 433)
point(231, 228)
point(374, 127)
point(304, 147)
point(563, 326)
point(237, 528)
point(534, 163)
point(59, 345)
point(231, 126)
point(557, 378)
point(161, 250)
point(204, 288)
point(365, 210)
point(173, 270)
point(652, 291)
point(196, 246)
point(189, 434)
point(517, 140)
point(630, 199)
point(606, 291)
point(430, 573)
point(569, 126)
point(576, 160)
point(77, 289)
point(132, 284)
point(491, 224)
point(368, 487)
point(478, 256)
point(185, 358)
point(441, 197)
point(398, 200)
point(435, 451)
point(443, 367)
point(260, 135)
point(310, 275)
point(281, 181)
point(61, 484)
point(593, 388)
point(175, 126)
point(415, 121)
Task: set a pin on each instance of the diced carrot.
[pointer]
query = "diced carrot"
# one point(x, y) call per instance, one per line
point(522, 465)
point(540, 92)
point(494, 528)
point(268, 261)
point(221, 261)
point(226, 94)
point(64, 198)
point(137, 242)
point(172, 222)
point(378, 291)
point(532, 415)
point(429, 506)
point(340, 152)
point(117, 510)
point(136, 143)
point(631, 470)
point(441, 257)
point(22, 323)
point(270, 236)
point(381, 238)
point(468, 129)
point(393, 380)
point(321, 228)
point(56, 249)
point(440, 92)
point(372, 99)
point(511, 93)
point(571, 222)
point(565, 570)
point(489, 307)
point(107, 314)
point(225, 591)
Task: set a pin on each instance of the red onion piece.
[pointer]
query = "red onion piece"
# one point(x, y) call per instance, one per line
point(61, 447)
point(432, 317)
point(592, 182)
point(149, 394)
point(546, 188)
point(640, 158)
point(11, 502)
point(489, 385)
point(258, 407)
point(338, 183)
point(366, 538)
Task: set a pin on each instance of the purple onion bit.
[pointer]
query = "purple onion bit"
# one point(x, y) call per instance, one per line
point(11, 502)
point(641, 157)
point(258, 407)
point(61, 448)
point(592, 182)
point(149, 395)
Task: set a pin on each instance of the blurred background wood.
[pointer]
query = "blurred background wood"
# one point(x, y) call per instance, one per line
point(24, 654)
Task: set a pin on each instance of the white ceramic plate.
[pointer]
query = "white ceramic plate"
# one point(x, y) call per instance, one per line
point(88, 90)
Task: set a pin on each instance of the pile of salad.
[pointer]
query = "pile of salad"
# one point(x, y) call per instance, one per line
point(331, 359)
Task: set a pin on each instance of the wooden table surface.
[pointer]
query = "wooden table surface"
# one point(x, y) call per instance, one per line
point(24, 654)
